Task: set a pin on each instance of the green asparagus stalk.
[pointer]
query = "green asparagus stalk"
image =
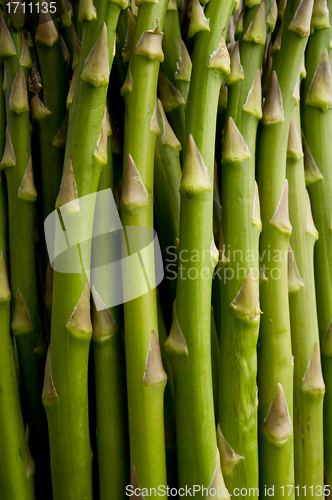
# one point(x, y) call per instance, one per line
point(308, 382)
point(174, 80)
point(49, 109)
point(16, 465)
point(189, 343)
point(17, 163)
point(275, 368)
point(167, 180)
point(241, 227)
point(65, 395)
point(109, 370)
point(317, 123)
point(146, 378)
point(110, 403)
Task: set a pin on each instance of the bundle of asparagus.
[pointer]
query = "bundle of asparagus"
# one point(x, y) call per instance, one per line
point(191, 130)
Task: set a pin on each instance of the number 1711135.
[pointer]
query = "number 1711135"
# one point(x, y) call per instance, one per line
point(28, 8)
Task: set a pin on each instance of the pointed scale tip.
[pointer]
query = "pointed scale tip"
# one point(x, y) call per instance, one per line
point(18, 101)
point(86, 11)
point(235, 149)
point(150, 45)
point(49, 393)
point(246, 303)
point(101, 150)
point(154, 124)
point(38, 109)
point(27, 190)
point(7, 47)
point(134, 483)
point(104, 325)
point(280, 218)
point(46, 33)
point(310, 228)
point(60, 139)
point(277, 42)
point(198, 21)
point(253, 104)
point(312, 382)
point(195, 177)
point(176, 342)
point(217, 482)
point(169, 95)
point(311, 171)
point(184, 64)
point(21, 322)
point(277, 426)
point(80, 320)
point(273, 111)
point(295, 282)
point(96, 67)
point(8, 159)
point(320, 92)
point(236, 66)
point(300, 23)
point(30, 463)
point(320, 16)
point(220, 59)
point(134, 193)
point(71, 91)
point(294, 147)
point(25, 59)
point(68, 189)
point(229, 459)
point(256, 215)
point(256, 31)
point(168, 137)
point(273, 16)
point(154, 371)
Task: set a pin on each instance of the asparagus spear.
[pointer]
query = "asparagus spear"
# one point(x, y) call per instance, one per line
point(275, 370)
point(16, 465)
point(317, 123)
point(49, 110)
point(189, 343)
point(65, 395)
point(146, 378)
point(241, 227)
point(17, 163)
point(109, 369)
point(174, 79)
point(308, 382)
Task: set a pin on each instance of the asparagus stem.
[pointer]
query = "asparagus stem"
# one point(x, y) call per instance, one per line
point(16, 464)
point(167, 180)
point(17, 163)
point(109, 370)
point(241, 227)
point(65, 395)
point(189, 343)
point(50, 113)
point(110, 404)
point(308, 382)
point(275, 370)
point(317, 123)
point(176, 67)
point(146, 378)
